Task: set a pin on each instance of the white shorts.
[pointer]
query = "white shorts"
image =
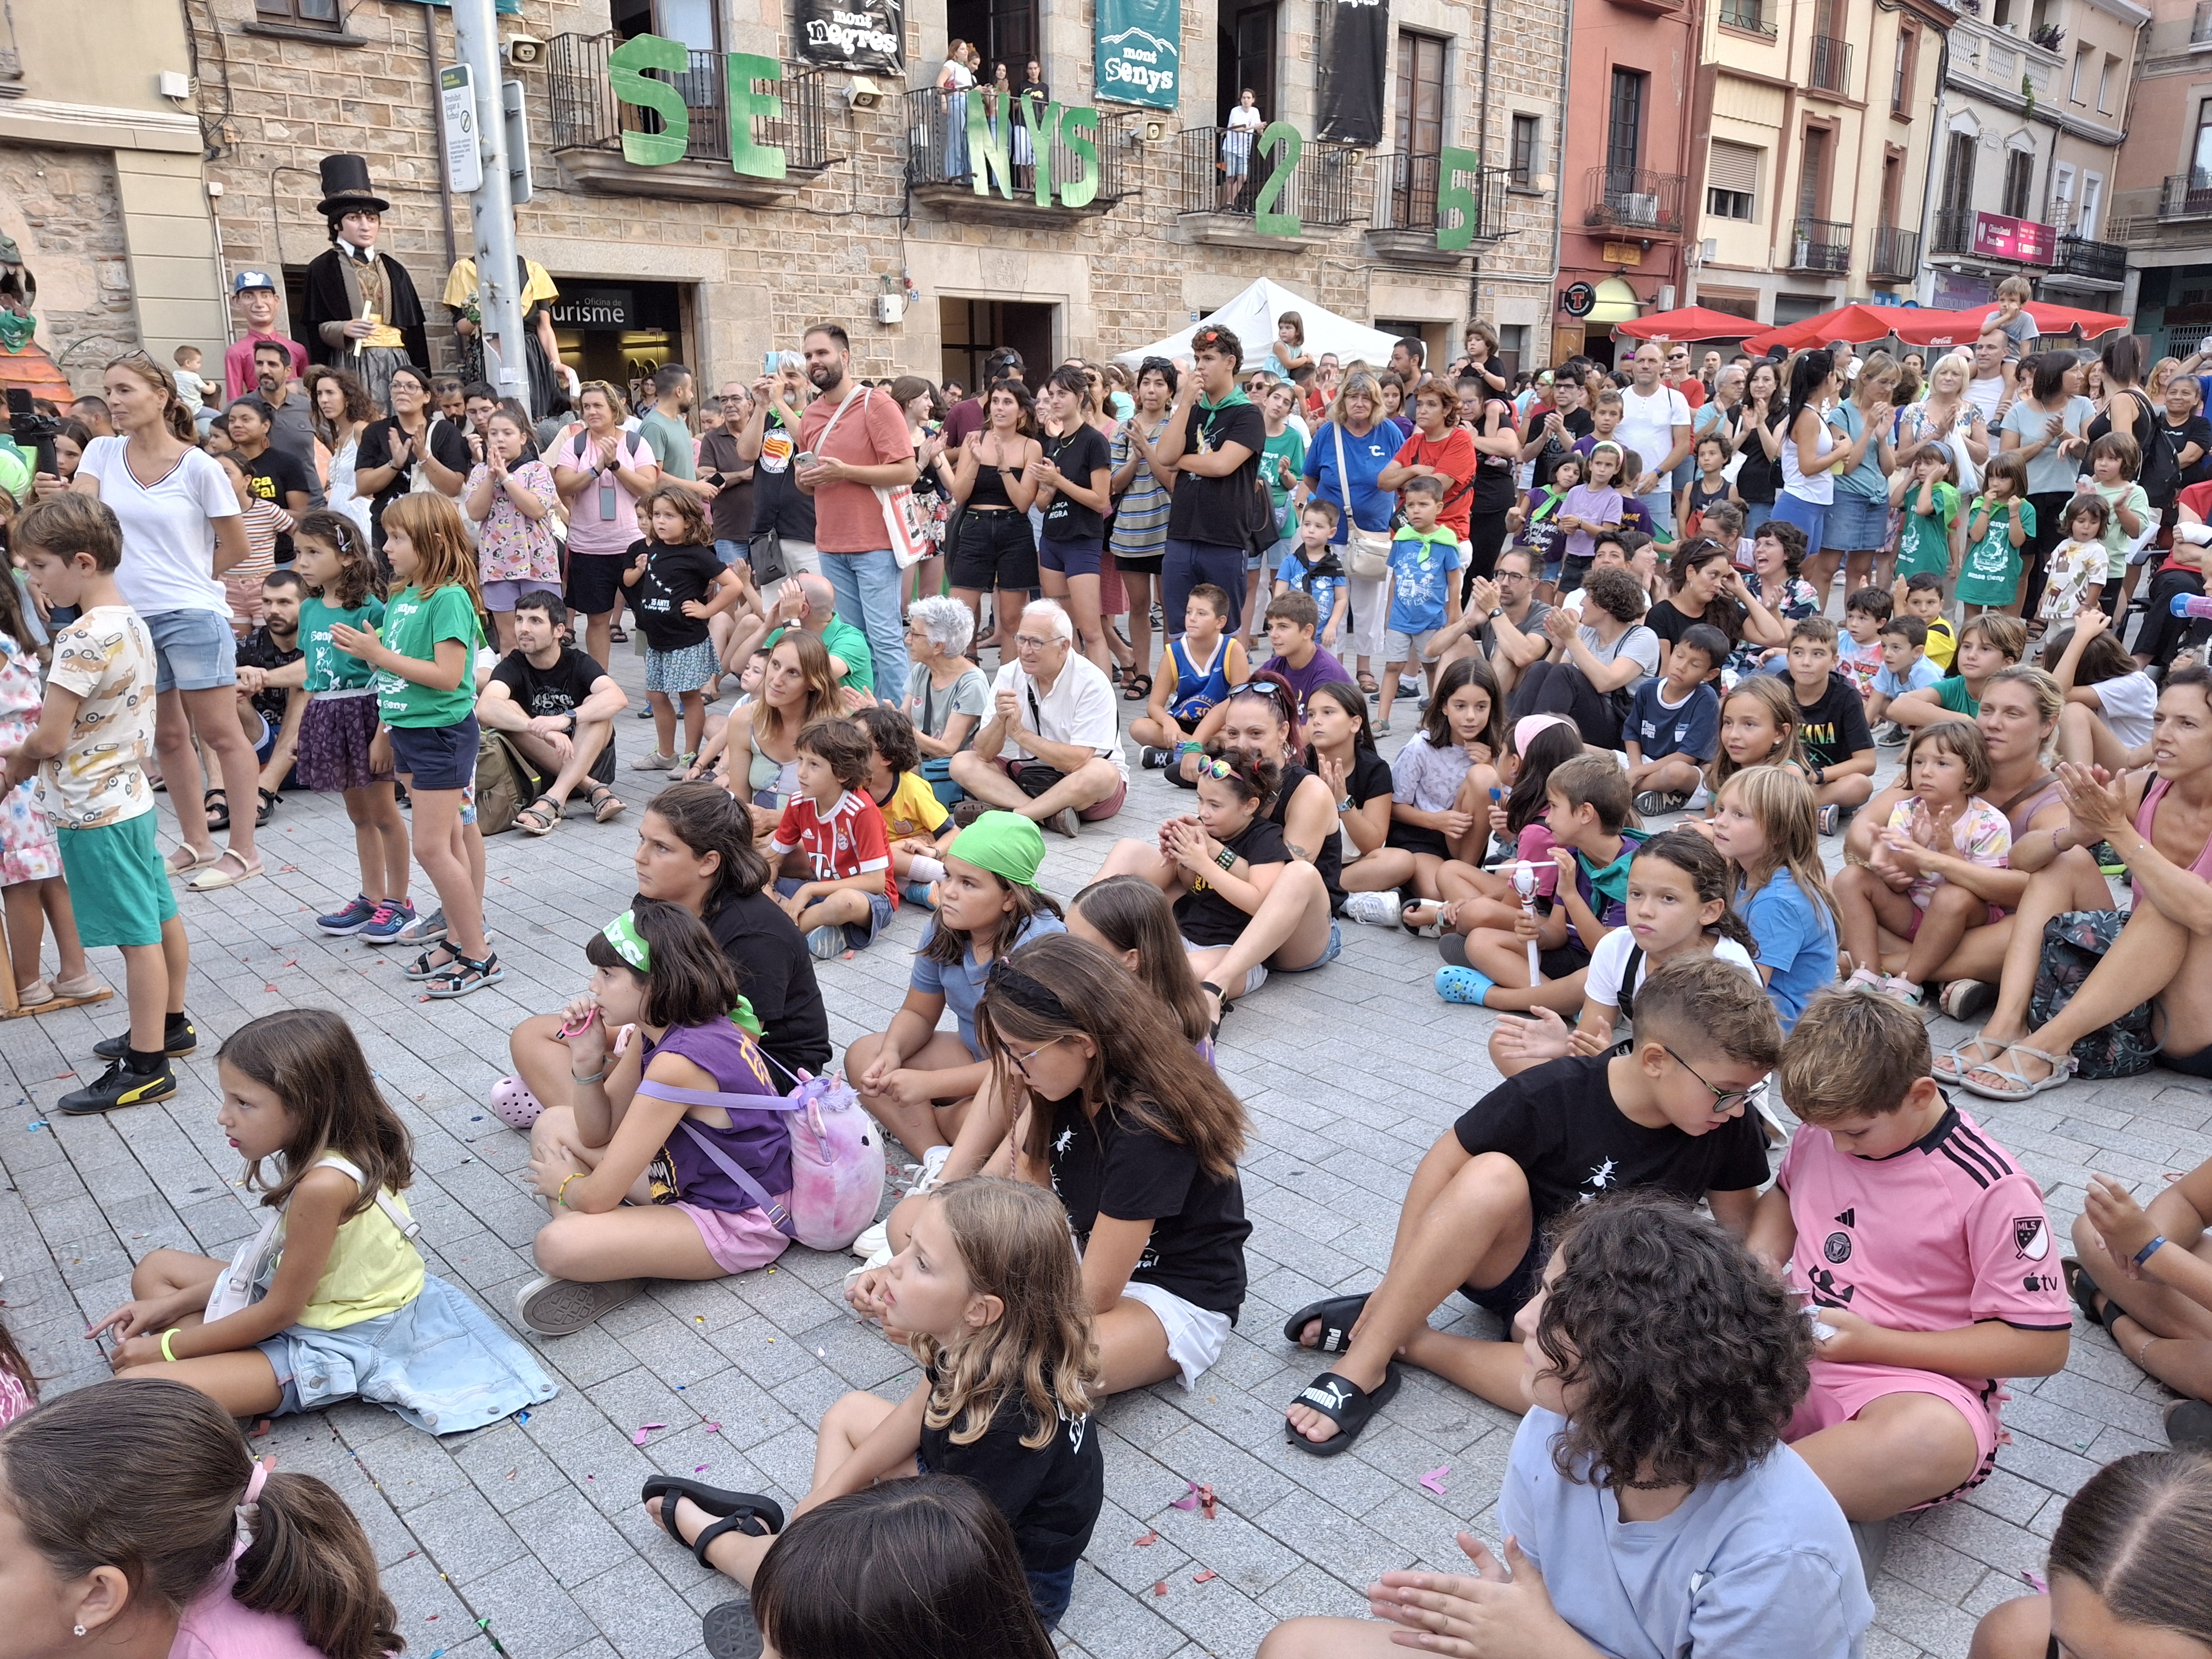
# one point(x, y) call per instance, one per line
point(1195, 1335)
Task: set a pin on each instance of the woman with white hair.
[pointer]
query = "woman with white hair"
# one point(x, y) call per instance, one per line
point(1947, 416)
point(947, 696)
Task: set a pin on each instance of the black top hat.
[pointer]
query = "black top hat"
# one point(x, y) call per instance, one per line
point(346, 188)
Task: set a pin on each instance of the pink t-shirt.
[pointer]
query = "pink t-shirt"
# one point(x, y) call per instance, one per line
point(589, 529)
point(847, 517)
point(218, 1625)
point(1981, 835)
point(1943, 1235)
point(238, 363)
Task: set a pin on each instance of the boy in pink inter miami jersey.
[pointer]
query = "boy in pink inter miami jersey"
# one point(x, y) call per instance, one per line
point(1925, 1256)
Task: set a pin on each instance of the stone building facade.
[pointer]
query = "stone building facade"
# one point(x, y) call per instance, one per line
point(693, 260)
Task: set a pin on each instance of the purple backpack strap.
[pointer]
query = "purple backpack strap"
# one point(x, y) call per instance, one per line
point(778, 1216)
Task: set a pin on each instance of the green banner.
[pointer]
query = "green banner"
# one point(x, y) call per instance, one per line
point(1140, 51)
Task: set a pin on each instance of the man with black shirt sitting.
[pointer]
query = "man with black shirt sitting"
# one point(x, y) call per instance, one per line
point(270, 714)
point(557, 706)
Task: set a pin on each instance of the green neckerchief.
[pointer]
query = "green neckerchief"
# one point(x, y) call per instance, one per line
point(1236, 399)
point(746, 1020)
point(1550, 506)
point(1612, 880)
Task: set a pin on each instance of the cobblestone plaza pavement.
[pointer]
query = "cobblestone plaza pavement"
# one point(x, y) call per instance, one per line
point(527, 1537)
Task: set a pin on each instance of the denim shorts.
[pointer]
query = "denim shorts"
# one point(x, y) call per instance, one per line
point(1811, 516)
point(436, 756)
point(1072, 558)
point(1857, 523)
point(501, 596)
point(193, 650)
point(858, 935)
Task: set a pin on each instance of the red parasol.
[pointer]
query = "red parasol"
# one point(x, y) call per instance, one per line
point(1926, 326)
point(1690, 323)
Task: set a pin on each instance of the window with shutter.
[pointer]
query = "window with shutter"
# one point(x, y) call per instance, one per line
point(1731, 180)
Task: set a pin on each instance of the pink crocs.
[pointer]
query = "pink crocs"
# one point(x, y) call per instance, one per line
point(513, 1104)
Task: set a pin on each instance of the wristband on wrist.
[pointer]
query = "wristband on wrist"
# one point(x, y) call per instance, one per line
point(605, 1066)
point(2150, 1250)
point(561, 1192)
point(1226, 859)
point(169, 1335)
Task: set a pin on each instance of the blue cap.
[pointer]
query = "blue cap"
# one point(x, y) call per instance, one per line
point(250, 279)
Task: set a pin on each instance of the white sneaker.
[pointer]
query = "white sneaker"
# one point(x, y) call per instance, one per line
point(933, 1167)
point(873, 1238)
point(1375, 910)
point(881, 1257)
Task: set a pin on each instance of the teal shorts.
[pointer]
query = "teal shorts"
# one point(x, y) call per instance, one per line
point(116, 884)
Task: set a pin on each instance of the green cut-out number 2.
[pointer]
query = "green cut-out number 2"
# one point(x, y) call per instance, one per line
point(1281, 143)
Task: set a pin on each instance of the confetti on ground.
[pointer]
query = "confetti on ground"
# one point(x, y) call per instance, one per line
point(1199, 1498)
point(1149, 1538)
point(1160, 1589)
point(1434, 1479)
point(35, 1125)
point(713, 1428)
point(1202, 1577)
point(522, 1417)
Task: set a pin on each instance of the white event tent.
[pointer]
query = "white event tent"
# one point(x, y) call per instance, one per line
point(1251, 317)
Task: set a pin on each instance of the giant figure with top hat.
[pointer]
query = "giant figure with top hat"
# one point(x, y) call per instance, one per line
point(363, 313)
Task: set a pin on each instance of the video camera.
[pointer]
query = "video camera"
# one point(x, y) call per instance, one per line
point(33, 433)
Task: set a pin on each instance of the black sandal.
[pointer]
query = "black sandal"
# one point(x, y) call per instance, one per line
point(422, 968)
point(734, 1511)
point(217, 804)
point(2083, 1289)
point(1343, 1403)
point(464, 974)
point(267, 808)
point(1139, 689)
point(1220, 997)
point(1337, 1315)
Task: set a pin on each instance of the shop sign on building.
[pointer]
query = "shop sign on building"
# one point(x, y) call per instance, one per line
point(1140, 51)
point(2021, 240)
point(869, 35)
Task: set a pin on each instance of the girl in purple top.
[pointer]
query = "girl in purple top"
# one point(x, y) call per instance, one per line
point(658, 1012)
point(133, 1520)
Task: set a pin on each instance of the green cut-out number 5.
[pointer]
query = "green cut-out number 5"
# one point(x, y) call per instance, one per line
point(1282, 143)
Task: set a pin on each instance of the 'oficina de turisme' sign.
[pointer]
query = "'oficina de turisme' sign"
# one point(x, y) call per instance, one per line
point(752, 92)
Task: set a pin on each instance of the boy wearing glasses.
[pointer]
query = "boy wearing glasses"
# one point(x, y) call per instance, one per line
point(1667, 1110)
point(1925, 1254)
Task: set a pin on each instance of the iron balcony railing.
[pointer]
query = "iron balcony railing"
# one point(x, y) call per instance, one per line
point(1749, 15)
point(1955, 231)
point(1633, 199)
point(941, 149)
point(587, 116)
point(1832, 64)
point(1321, 190)
point(1820, 244)
point(1896, 252)
point(2100, 262)
point(2186, 196)
point(1405, 189)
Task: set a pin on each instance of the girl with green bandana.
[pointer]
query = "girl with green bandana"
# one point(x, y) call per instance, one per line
point(647, 1174)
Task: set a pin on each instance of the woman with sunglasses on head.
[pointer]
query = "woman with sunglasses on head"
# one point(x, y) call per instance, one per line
point(1112, 1108)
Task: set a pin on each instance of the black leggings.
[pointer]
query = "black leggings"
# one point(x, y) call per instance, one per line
point(1560, 688)
point(1486, 539)
point(2163, 633)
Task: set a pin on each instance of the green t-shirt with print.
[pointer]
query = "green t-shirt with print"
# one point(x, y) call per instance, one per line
point(1952, 693)
point(329, 669)
point(414, 624)
point(1924, 547)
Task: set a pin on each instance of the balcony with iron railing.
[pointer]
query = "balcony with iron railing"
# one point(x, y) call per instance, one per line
point(1831, 66)
point(2200, 24)
point(1752, 17)
point(589, 125)
point(1409, 192)
point(1896, 253)
point(1635, 200)
point(2090, 264)
point(1217, 195)
point(2186, 196)
point(1954, 231)
point(1820, 244)
point(945, 169)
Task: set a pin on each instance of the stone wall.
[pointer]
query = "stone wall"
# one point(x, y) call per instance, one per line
point(62, 209)
point(764, 272)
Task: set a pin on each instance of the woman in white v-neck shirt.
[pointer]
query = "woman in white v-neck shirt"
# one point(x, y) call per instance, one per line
point(181, 529)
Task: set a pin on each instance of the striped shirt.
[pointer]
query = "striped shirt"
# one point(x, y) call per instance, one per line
point(1140, 522)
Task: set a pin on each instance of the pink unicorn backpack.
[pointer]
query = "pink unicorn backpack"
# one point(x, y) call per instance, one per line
point(836, 1155)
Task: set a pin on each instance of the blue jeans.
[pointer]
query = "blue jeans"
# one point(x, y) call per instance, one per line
point(868, 596)
point(1189, 563)
point(733, 552)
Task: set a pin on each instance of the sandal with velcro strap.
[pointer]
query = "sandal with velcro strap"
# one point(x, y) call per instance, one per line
point(733, 1511)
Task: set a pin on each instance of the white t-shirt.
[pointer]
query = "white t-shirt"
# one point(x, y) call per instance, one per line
point(1080, 708)
point(168, 528)
point(2131, 707)
point(1647, 422)
point(1986, 395)
point(1607, 962)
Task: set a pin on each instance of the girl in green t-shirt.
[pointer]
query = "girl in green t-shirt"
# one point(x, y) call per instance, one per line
point(2003, 521)
point(427, 696)
point(338, 728)
point(1932, 539)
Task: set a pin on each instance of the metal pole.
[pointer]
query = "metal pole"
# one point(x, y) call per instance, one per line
point(498, 297)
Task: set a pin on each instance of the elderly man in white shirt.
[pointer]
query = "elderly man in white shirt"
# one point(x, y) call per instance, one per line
point(1654, 423)
point(1051, 746)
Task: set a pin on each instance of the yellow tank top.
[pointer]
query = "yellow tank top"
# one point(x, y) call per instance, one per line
point(373, 1268)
